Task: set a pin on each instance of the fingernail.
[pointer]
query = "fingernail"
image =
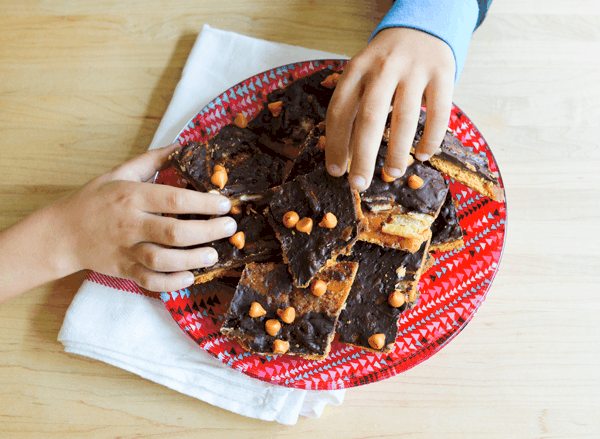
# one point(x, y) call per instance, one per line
point(394, 172)
point(210, 257)
point(175, 145)
point(422, 157)
point(358, 182)
point(225, 206)
point(230, 227)
point(188, 279)
point(334, 170)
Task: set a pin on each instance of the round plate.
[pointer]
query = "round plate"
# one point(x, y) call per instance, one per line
point(451, 291)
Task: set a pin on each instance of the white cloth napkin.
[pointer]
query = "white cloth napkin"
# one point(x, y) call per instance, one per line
point(135, 332)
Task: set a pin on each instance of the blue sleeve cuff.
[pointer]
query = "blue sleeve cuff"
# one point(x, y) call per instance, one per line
point(453, 21)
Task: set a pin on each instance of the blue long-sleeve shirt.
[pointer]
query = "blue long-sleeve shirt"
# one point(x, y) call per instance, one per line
point(453, 21)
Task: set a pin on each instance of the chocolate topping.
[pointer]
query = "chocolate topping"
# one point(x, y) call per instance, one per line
point(304, 105)
point(426, 199)
point(446, 227)
point(260, 245)
point(453, 151)
point(249, 170)
point(367, 309)
point(312, 196)
point(311, 157)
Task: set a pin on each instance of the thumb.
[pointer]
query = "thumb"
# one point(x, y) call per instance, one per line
point(143, 167)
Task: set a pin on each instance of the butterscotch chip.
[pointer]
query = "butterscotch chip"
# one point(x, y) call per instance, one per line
point(331, 81)
point(280, 347)
point(377, 341)
point(415, 182)
point(275, 108)
point(236, 209)
point(238, 240)
point(272, 327)
point(396, 299)
point(305, 225)
point(219, 179)
point(290, 219)
point(385, 177)
point(256, 310)
point(240, 120)
point(322, 142)
point(329, 221)
point(288, 315)
point(318, 288)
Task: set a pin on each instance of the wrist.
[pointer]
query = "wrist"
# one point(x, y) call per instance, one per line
point(58, 240)
point(451, 21)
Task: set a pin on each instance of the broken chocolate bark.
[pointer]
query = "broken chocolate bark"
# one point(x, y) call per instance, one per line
point(260, 317)
point(311, 156)
point(460, 163)
point(467, 167)
point(249, 170)
point(447, 234)
point(385, 287)
point(260, 245)
point(303, 105)
point(400, 208)
point(311, 197)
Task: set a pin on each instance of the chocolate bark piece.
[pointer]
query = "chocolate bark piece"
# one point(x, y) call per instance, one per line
point(250, 171)
point(303, 106)
point(460, 163)
point(398, 209)
point(467, 167)
point(381, 271)
point(310, 334)
point(260, 245)
point(312, 196)
point(311, 156)
point(447, 234)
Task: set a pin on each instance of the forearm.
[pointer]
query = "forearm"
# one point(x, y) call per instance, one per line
point(34, 251)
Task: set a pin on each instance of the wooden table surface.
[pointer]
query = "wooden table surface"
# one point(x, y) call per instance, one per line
point(83, 86)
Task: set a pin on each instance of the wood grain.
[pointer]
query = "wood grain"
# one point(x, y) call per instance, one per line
point(83, 86)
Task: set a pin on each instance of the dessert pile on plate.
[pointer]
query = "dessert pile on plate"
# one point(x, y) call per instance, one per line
point(313, 257)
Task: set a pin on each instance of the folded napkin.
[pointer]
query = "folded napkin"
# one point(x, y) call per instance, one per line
point(109, 322)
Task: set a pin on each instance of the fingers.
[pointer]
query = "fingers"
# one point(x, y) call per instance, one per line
point(144, 166)
point(340, 117)
point(160, 259)
point(160, 282)
point(439, 105)
point(369, 126)
point(405, 117)
point(154, 198)
point(183, 233)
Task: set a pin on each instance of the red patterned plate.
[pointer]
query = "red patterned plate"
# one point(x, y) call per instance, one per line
point(451, 291)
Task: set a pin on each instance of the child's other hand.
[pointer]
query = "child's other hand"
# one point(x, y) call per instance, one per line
point(401, 67)
point(111, 225)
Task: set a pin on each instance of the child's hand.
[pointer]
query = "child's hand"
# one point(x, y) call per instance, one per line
point(401, 67)
point(110, 225)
